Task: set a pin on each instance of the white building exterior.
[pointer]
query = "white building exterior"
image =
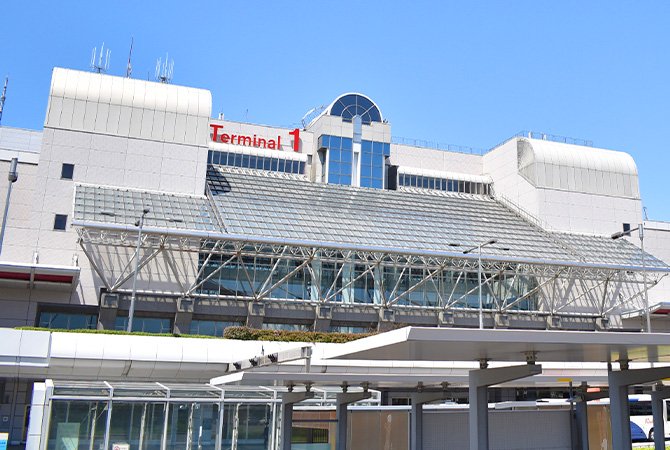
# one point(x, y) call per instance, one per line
point(67, 261)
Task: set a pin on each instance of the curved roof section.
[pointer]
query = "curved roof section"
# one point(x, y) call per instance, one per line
point(352, 104)
point(87, 101)
point(555, 165)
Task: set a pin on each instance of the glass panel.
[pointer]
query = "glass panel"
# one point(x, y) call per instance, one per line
point(139, 425)
point(253, 424)
point(192, 425)
point(77, 425)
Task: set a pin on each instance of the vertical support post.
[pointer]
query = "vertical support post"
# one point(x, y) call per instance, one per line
point(478, 415)
point(288, 400)
point(658, 394)
point(479, 381)
point(620, 416)
point(286, 426)
point(343, 400)
point(582, 424)
point(416, 427)
point(479, 280)
point(131, 311)
point(416, 416)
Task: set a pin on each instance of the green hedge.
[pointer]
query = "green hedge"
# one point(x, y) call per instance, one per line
point(134, 333)
point(254, 334)
point(239, 333)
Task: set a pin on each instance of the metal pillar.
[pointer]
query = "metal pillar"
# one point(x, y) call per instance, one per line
point(582, 416)
point(619, 414)
point(479, 381)
point(288, 399)
point(343, 400)
point(658, 394)
point(416, 416)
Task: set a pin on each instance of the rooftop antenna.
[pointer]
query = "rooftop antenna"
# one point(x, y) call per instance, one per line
point(3, 97)
point(164, 70)
point(644, 208)
point(129, 67)
point(102, 64)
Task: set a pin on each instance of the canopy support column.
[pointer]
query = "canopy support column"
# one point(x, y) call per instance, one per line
point(619, 414)
point(288, 399)
point(582, 416)
point(416, 416)
point(658, 394)
point(343, 400)
point(479, 381)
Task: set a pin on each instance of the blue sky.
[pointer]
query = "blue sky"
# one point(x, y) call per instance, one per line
point(469, 72)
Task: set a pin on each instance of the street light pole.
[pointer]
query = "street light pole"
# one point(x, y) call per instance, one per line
point(131, 311)
point(12, 177)
point(647, 308)
point(479, 275)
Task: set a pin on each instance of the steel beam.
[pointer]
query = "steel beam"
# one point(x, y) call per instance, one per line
point(416, 416)
point(479, 381)
point(288, 399)
point(619, 413)
point(342, 401)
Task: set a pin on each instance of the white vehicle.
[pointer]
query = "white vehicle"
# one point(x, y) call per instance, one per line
point(641, 418)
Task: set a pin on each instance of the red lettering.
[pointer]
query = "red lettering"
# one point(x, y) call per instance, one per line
point(296, 139)
point(272, 145)
point(244, 140)
point(225, 138)
point(278, 142)
point(215, 130)
point(232, 138)
point(262, 143)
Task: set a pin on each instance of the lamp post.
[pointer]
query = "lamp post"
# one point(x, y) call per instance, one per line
point(131, 311)
point(640, 229)
point(12, 176)
point(479, 274)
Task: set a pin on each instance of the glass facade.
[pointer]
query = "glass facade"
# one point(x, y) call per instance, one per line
point(348, 282)
point(272, 162)
point(443, 184)
point(67, 320)
point(341, 161)
point(145, 324)
point(153, 416)
point(210, 327)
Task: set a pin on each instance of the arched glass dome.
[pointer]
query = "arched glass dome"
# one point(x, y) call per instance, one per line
point(349, 105)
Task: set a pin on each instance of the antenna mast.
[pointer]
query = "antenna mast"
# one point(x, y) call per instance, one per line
point(164, 70)
point(129, 67)
point(102, 65)
point(3, 97)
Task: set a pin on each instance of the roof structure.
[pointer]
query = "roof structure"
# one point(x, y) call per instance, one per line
point(255, 204)
point(451, 344)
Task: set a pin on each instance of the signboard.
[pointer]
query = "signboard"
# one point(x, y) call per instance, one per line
point(121, 446)
point(4, 437)
point(219, 135)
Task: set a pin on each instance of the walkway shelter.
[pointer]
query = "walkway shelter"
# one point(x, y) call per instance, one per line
point(519, 346)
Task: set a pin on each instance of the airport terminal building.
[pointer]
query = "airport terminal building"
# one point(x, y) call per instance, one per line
point(132, 191)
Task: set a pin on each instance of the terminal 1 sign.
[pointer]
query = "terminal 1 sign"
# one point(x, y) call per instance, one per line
point(252, 141)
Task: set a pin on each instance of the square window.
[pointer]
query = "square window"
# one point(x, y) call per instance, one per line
point(60, 222)
point(67, 171)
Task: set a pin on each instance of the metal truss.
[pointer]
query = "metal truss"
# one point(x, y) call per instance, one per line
point(253, 271)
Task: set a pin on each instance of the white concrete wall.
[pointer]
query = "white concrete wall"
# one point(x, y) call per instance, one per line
point(558, 209)
point(432, 159)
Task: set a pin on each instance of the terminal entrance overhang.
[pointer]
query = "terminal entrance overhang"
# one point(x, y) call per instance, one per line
point(450, 344)
point(38, 276)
